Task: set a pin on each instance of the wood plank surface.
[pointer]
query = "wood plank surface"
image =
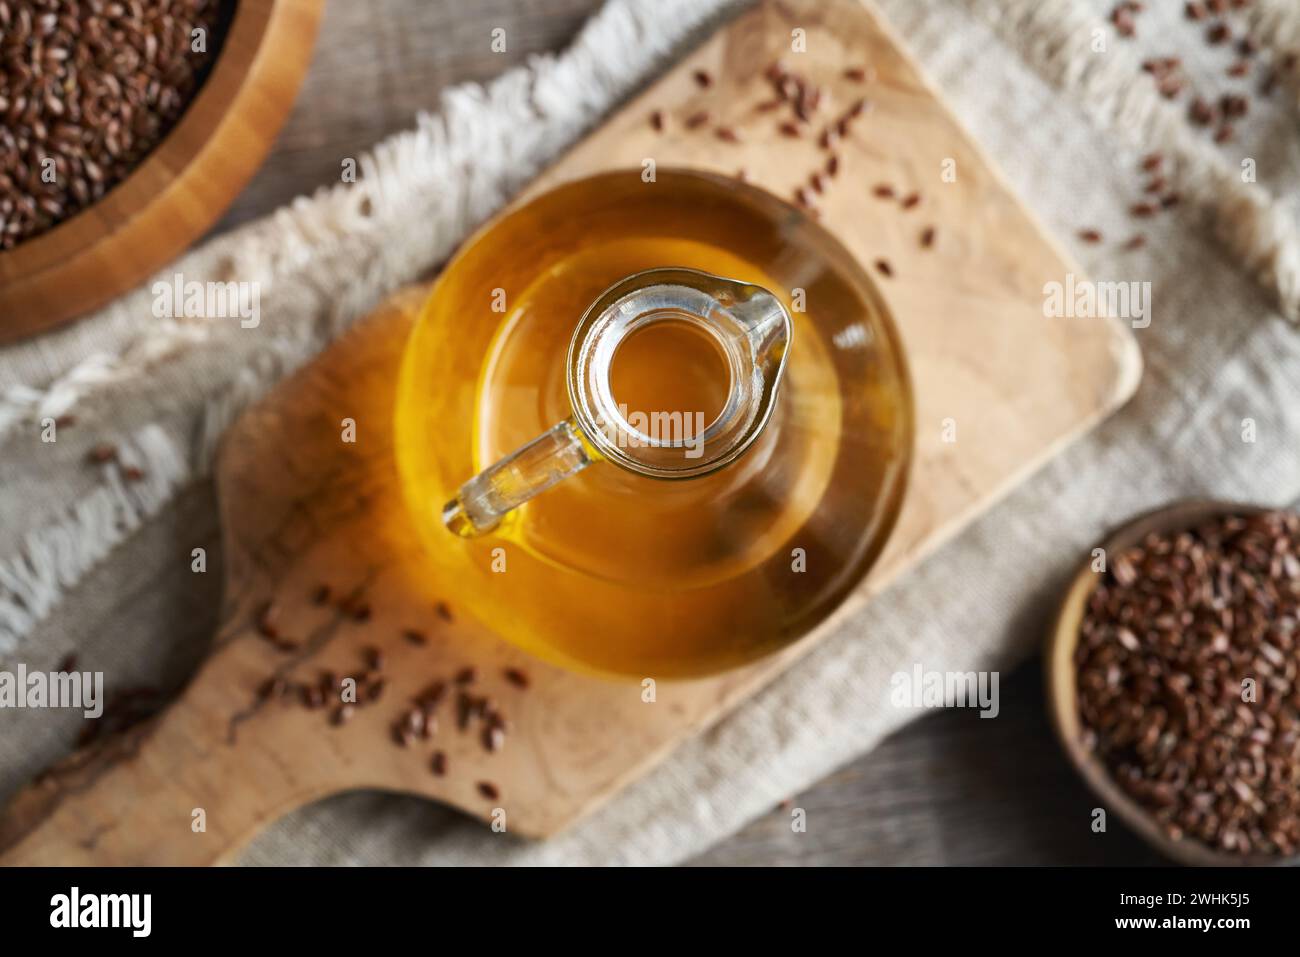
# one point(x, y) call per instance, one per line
point(950, 789)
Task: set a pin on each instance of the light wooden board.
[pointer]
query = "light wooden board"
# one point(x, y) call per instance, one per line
point(297, 512)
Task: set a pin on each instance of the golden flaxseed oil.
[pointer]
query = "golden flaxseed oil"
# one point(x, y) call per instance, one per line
point(615, 572)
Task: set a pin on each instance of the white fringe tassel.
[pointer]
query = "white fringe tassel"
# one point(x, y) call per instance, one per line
point(56, 555)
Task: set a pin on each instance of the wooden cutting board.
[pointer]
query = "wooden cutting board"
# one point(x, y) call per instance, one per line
point(302, 509)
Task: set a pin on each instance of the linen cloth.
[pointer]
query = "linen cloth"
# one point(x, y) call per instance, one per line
point(91, 563)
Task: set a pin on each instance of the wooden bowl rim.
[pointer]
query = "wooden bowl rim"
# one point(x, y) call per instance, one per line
point(1058, 664)
point(243, 69)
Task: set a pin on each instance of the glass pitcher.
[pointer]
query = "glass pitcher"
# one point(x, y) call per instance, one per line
point(653, 429)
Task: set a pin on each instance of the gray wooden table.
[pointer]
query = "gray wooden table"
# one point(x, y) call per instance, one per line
point(949, 789)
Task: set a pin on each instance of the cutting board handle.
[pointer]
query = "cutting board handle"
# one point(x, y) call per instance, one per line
point(159, 793)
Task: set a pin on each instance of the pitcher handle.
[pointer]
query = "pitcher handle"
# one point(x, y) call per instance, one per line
point(503, 486)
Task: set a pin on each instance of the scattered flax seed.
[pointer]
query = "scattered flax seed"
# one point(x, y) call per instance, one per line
point(767, 106)
point(494, 738)
point(842, 127)
point(858, 108)
point(1225, 133)
point(1202, 112)
point(516, 677)
point(815, 181)
point(342, 714)
point(375, 690)
point(803, 197)
point(1167, 72)
point(856, 73)
point(466, 676)
point(832, 165)
point(1136, 242)
point(361, 611)
point(374, 658)
point(443, 611)
point(1157, 185)
point(885, 268)
point(883, 191)
point(1122, 17)
point(1090, 235)
point(911, 200)
point(133, 473)
point(270, 688)
point(811, 100)
point(312, 697)
point(657, 121)
point(1218, 33)
point(1196, 10)
point(488, 790)
point(321, 595)
point(1153, 162)
point(1239, 69)
point(1169, 200)
point(927, 237)
point(65, 420)
point(1234, 106)
point(438, 763)
point(727, 134)
point(415, 637)
point(266, 616)
point(415, 723)
point(1247, 46)
point(828, 139)
point(1164, 64)
point(1170, 85)
point(792, 130)
point(1144, 209)
point(702, 79)
point(696, 120)
point(103, 453)
point(431, 696)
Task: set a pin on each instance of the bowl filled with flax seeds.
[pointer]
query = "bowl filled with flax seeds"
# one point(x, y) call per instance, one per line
point(128, 127)
point(1174, 681)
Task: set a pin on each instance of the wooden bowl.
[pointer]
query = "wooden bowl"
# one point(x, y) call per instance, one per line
point(180, 189)
point(1062, 704)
